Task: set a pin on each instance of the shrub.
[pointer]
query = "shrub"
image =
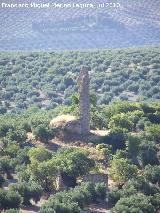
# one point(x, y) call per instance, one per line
point(11, 149)
point(68, 207)
point(142, 186)
point(142, 123)
point(47, 210)
point(155, 200)
point(28, 191)
point(73, 162)
point(148, 153)
point(101, 190)
point(4, 128)
point(18, 135)
point(152, 174)
point(122, 170)
point(113, 196)
point(122, 121)
point(133, 145)
point(3, 110)
point(39, 154)
point(154, 130)
point(101, 146)
point(134, 203)
point(128, 190)
point(13, 199)
point(6, 167)
point(9, 199)
point(42, 132)
point(2, 180)
point(73, 200)
point(116, 138)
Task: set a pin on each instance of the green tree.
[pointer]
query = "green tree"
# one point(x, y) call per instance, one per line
point(133, 145)
point(18, 135)
point(2, 180)
point(42, 169)
point(3, 110)
point(154, 130)
point(116, 138)
point(152, 174)
point(101, 190)
point(141, 186)
point(28, 191)
point(22, 173)
point(113, 196)
point(73, 162)
point(134, 203)
point(22, 156)
point(128, 190)
point(4, 127)
point(39, 154)
point(9, 199)
point(13, 199)
point(6, 167)
point(11, 149)
point(155, 200)
point(41, 132)
point(47, 210)
point(122, 170)
point(44, 173)
point(148, 153)
point(73, 200)
point(122, 121)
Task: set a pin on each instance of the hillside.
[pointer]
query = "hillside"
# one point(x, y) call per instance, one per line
point(117, 172)
point(119, 24)
point(49, 79)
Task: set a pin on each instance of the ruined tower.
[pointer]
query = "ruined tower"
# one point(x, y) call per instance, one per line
point(83, 90)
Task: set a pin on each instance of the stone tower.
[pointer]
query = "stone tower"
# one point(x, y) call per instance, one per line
point(83, 90)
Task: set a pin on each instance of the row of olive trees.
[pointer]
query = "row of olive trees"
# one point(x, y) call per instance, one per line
point(50, 78)
point(74, 200)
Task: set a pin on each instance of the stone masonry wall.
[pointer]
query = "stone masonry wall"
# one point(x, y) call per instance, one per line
point(83, 89)
point(96, 178)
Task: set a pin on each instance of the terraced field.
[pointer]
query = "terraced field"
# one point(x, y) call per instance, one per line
point(133, 23)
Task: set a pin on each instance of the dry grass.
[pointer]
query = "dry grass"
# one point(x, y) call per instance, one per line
point(30, 136)
point(97, 208)
point(61, 120)
point(100, 132)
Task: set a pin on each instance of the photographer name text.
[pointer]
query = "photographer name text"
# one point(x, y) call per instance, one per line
point(59, 5)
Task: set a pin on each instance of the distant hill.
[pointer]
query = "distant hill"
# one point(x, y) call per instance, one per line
point(122, 23)
point(48, 79)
